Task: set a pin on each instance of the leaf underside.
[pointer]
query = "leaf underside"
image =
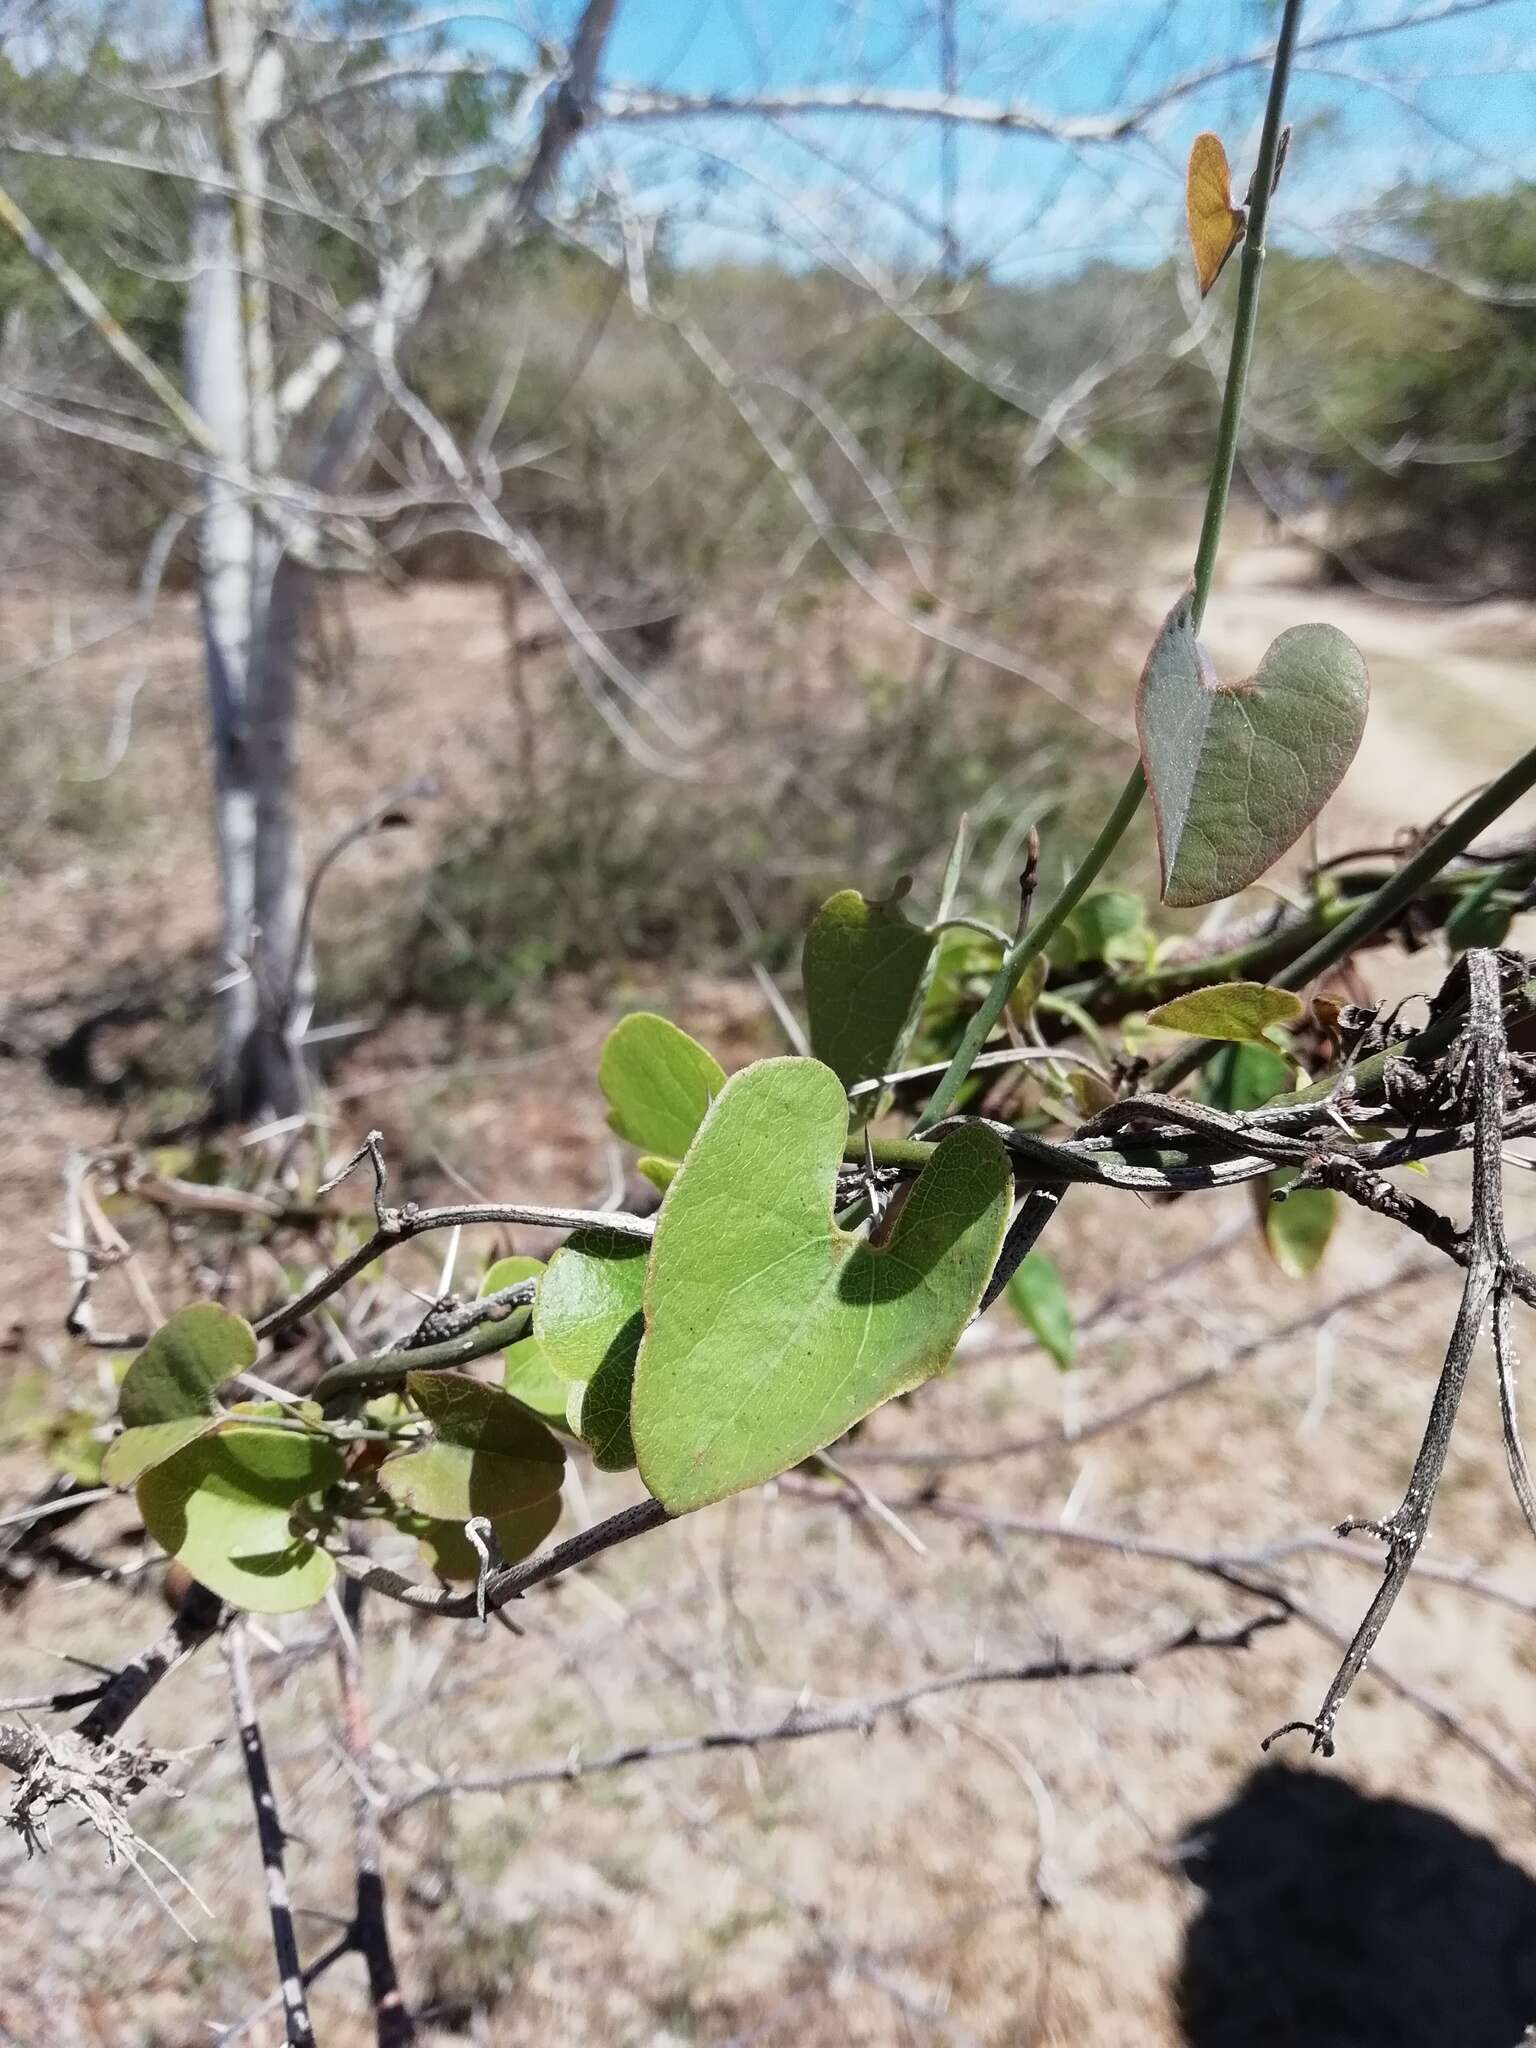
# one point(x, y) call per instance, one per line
point(658, 1082)
point(1238, 773)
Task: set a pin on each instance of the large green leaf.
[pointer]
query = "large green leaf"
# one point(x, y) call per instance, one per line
point(1244, 1012)
point(1238, 771)
point(489, 1454)
point(1036, 1292)
point(769, 1330)
point(589, 1317)
point(865, 966)
point(223, 1507)
point(166, 1400)
point(658, 1082)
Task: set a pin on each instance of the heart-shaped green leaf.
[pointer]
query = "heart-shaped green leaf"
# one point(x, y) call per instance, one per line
point(865, 966)
point(769, 1330)
point(1036, 1292)
point(658, 1082)
point(489, 1454)
point(166, 1400)
point(589, 1317)
point(223, 1507)
point(1238, 771)
point(1245, 1012)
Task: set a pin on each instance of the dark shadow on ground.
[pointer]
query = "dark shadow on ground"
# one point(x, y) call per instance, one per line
point(1334, 1920)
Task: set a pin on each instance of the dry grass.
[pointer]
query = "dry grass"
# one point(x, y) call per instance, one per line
point(1009, 1866)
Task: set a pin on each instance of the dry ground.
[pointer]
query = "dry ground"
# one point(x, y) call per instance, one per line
point(1099, 1862)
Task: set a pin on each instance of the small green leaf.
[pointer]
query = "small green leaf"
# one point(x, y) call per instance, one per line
point(449, 1552)
point(658, 1082)
point(1021, 1003)
point(1039, 1298)
point(865, 966)
point(527, 1375)
point(1482, 917)
point(175, 1375)
point(510, 1272)
point(223, 1507)
point(1244, 1077)
point(590, 1318)
point(659, 1172)
point(1089, 1094)
point(1243, 1011)
point(770, 1330)
point(489, 1453)
point(69, 1441)
point(1109, 925)
point(1297, 1229)
point(1237, 771)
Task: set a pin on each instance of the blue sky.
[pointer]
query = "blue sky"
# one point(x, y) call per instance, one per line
point(1453, 100)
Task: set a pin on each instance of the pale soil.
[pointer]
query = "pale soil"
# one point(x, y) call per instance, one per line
point(1003, 1866)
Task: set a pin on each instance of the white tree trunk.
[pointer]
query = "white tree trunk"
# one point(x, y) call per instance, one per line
point(226, 581)
point(253, 602)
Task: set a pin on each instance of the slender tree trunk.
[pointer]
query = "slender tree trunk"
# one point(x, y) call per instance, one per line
point(254, 600)
point(226, 576)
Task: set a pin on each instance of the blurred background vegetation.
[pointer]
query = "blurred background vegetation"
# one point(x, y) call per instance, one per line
point(998, 458)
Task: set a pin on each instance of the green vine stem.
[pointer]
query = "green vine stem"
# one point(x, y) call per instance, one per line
point(1277, 944)
point(1394, 895)
point(387, 1369)
point(1031, 942)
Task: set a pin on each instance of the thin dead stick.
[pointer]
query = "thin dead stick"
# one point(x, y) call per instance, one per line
point(401, 1225)
point(311, 1972)
point(269, 1834)
point(195, 1620)
point(393, 2024)
point(1509, 1410)
point(1487, 1261)
point(1253, 1572)
point(1434, 1710)
point(1265, 1557)
point(856, 1717)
